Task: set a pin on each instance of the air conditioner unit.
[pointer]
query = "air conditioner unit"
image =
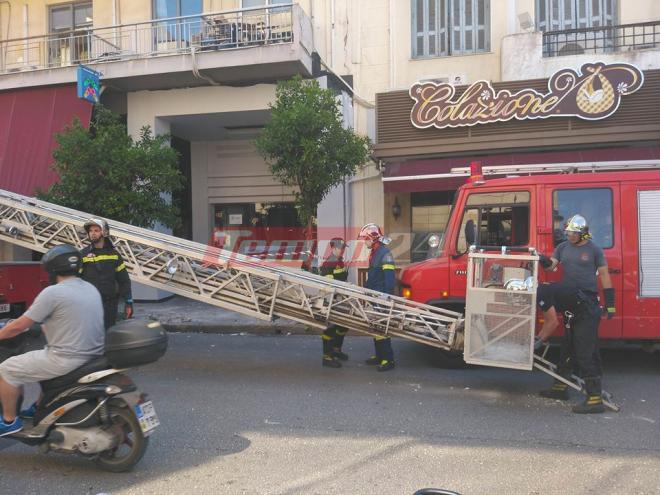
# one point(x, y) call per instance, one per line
point(434, 79)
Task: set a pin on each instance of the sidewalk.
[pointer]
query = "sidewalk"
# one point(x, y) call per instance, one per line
point(180, 314)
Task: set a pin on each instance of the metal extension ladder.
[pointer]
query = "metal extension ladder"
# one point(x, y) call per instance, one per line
point(233, 281)
point(500, 314)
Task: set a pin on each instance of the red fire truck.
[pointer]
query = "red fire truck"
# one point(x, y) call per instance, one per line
point(620, 201)
point(20, 282)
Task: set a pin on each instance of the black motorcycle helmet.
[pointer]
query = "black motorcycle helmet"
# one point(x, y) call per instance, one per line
point(62, 260)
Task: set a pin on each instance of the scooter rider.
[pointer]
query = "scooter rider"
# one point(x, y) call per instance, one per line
point(577, 296)
point(333, 336)
point(381, 277)
point(70, 311)
point(104, 268)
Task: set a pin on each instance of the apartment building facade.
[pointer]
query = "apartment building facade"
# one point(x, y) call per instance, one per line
point(205, 72)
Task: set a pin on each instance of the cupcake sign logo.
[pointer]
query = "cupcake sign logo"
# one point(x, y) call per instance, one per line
point(593, 93)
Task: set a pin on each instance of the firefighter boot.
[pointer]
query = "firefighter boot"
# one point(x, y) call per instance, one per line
point(376, 358)
point(593, 404)
point(337, 343)
point(559, 391)
point(384, 350)
point(328, 358)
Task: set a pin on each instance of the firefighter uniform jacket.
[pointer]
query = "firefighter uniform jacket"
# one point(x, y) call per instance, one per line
point(104, 268)
point(381, 275)
point(334, 268)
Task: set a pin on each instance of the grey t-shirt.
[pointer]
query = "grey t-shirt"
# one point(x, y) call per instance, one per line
point(71, 313)
point(580, 264)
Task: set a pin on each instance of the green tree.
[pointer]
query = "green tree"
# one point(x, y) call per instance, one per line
point(306, 146)
point(104, 172)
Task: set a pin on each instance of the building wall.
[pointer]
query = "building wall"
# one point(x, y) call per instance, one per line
point(210, 161)
point(369, 39)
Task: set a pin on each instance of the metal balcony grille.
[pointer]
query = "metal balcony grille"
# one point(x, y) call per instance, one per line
point(607, 39)
point(203, 32)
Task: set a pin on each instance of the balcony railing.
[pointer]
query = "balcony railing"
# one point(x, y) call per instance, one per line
point(607, 39)
point(204, 32)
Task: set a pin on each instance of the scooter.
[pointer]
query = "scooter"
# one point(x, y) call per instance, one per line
point(96, 410)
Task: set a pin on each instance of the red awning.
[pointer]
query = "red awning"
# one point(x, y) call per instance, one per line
point(29, 120)
point(444, 165)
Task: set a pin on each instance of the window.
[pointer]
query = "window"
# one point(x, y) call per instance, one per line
point(259, 3)
point(595, 205)
point(177, 33)
point(430, 214)
point(450, 27)
point(70, 42)
point(558, 15)
point(495, 219)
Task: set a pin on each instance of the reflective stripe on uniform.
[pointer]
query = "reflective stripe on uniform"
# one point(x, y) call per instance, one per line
point(120, 268)
point(339, 270)
point(388, 267)
point(100, 257)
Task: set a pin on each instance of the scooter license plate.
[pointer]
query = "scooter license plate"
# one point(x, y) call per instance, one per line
point(5, 308)
point(146, 415)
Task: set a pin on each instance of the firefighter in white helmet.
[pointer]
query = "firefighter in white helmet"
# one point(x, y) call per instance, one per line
point(577, 297)
point(104, 268)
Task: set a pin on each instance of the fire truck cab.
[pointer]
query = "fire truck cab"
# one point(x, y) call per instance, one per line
point(621, 205)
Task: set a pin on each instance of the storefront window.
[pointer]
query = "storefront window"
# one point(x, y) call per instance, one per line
point(495, 219)
point(450, 27)
point(430, 214)
point(595, 205)
point(266, 230)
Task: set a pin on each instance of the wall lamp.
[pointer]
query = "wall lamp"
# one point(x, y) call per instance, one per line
point(396, 209)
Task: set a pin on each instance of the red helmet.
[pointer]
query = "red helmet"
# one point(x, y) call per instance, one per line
point(371, 231)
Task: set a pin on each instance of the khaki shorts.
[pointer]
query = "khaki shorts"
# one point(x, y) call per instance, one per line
point(36, 366)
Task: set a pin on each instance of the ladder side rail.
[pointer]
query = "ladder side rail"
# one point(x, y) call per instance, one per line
point(569, 167)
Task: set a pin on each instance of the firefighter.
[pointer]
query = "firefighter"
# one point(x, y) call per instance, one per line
point(381, 277)
point(104, 268)
point(577, 297)
point(333, 336)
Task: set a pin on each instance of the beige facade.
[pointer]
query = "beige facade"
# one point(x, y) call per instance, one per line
point(202, 95)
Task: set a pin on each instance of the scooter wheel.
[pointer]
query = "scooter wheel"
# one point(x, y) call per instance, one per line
point(132, 443)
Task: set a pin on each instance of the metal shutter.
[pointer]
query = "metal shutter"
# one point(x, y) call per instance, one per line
point(649, 243)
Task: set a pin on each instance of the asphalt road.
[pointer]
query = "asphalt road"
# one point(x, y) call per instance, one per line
point(248, 414)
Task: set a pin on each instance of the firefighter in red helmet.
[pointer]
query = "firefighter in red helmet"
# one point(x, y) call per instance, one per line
point(380, 277)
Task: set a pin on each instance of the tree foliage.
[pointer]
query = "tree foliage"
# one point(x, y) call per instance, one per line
point(105, 172)
point(306, 146)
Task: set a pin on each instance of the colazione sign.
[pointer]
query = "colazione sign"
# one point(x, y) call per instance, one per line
point(592, 94)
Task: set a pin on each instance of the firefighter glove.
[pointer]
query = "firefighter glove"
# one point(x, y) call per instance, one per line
point(539, 344)
point(609, 303)
point(545, 261)
point(128, 309)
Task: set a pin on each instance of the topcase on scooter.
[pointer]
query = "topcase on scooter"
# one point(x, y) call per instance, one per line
point(135, 342)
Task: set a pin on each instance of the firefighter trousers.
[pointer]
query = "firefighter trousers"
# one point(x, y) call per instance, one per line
point(579, 349)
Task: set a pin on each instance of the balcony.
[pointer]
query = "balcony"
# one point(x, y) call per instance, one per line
point(257, 44)
point(537, 55)
point(608, 39)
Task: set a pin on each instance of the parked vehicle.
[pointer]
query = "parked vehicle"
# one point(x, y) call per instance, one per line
point(622, 209)
point(20, 282)
point(96, 410)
